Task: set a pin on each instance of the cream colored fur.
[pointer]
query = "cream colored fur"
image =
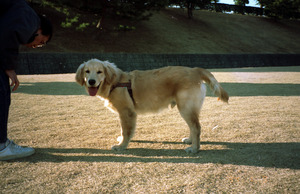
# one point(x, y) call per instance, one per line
point(153, 90)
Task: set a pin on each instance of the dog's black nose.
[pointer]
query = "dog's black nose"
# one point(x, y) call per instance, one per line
point(92, 82)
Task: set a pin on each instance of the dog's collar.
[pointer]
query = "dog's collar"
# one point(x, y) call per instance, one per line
point(124, 85)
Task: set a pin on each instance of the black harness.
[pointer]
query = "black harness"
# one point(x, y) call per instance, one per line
point(124, 85)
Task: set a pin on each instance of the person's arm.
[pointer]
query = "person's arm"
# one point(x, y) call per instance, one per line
point(14, 79)
point(4, 5)
point(9, 50)
point(9, 58)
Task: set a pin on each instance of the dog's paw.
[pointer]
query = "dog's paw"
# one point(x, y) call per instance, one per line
point(191, 150)
point(187, 140)
point(120, 139)
point(118, 148)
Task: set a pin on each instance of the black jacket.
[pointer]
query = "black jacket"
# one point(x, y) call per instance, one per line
point(18, 23)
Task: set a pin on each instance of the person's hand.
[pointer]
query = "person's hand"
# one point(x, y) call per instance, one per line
point(14, 79)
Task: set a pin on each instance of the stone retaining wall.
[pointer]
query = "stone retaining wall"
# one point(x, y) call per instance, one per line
point(54, 63)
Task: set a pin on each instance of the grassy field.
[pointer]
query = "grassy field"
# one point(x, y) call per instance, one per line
point(250, 145)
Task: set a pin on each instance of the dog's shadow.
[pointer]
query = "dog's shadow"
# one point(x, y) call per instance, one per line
point(234, 89)
point(279, 155)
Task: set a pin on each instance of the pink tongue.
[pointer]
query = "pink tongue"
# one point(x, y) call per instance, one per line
point(93, 91)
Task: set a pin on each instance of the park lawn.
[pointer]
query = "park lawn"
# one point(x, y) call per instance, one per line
point(250, 145)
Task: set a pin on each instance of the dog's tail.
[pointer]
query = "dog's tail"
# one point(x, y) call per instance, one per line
point(214, 85)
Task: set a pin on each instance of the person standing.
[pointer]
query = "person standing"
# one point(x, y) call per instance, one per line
point(19, 25)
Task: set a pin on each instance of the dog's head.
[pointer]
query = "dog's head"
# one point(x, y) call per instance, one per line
point(96, 76)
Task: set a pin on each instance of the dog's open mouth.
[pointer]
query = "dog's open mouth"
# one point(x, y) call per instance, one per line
point(93, 91)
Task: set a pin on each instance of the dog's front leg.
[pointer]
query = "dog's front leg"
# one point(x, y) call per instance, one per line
point(128, 123)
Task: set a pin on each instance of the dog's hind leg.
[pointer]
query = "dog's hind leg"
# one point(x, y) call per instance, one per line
point(189, 105)
point(191, 118)
point(128, 123)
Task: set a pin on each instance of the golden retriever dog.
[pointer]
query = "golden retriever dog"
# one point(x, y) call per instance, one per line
point(136, 92)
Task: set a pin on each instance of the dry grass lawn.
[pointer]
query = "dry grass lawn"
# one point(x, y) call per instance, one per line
point(249, 146)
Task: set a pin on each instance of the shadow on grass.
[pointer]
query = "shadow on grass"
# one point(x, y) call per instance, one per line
point(275, 155)
point(251, 89)
point(51, 88)
point(259, 69)
point(234, 89)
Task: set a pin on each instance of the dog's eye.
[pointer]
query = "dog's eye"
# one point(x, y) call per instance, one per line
point(87, 71)
point(98, 72)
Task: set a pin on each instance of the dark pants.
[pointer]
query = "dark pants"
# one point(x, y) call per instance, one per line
point(4, 105)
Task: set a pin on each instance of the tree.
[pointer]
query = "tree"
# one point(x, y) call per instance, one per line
point(129, 9)
point(281, 8)
point(217, 8)
point(191, 4)
point(241, 5)
point(241, 2)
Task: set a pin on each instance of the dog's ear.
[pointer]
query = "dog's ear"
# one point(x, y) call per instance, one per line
point(110, 72)
point(80, 74)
